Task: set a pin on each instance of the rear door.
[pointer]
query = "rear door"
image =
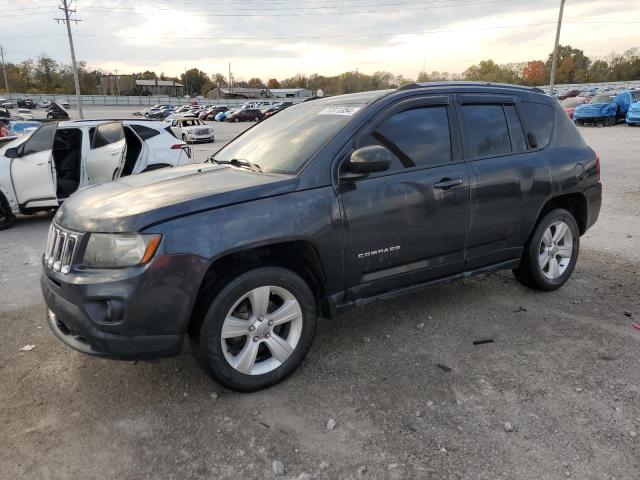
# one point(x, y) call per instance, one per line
point(33, 172)
point(509, 179)
point(105, 159)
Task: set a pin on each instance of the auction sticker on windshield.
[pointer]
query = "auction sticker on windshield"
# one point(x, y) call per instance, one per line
point(339, 110)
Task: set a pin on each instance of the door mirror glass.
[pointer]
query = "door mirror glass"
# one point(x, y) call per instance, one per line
point(366, 160)
point(12, 152)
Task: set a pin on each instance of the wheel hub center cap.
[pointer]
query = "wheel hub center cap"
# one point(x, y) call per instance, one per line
point(262, 328)
point(554, 249)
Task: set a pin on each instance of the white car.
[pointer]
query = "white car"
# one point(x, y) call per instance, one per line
point(63, 103)
point(191, 130)
point(38, 172)
point(44, 103)
point(24, 114)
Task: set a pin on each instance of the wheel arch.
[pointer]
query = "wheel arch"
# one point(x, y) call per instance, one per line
point(575, 203)
point(299, 256)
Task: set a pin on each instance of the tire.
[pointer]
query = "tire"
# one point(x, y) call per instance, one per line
point(533, 271)
point(184, 139)
point(611, 121)
point(256, 119)
point(7, 218)
point(236, 119)
point(246, 362)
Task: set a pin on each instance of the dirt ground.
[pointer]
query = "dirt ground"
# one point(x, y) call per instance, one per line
point(556, 395)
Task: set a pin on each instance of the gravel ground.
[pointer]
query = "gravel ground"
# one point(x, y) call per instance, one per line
point(556, 395)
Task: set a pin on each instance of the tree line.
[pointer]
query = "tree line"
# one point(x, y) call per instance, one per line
point(45, 75)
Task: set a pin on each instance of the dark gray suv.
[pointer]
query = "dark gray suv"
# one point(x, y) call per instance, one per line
point(330, 204)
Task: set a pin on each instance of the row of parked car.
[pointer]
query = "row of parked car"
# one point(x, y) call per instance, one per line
point(602, 109)
point(249, 111)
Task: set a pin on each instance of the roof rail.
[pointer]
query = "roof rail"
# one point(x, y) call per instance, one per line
point(469, 84)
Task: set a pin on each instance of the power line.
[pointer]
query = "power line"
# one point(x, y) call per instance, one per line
point(308, 12)
point(67, 20)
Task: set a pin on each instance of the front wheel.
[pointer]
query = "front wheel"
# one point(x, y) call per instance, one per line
point(236, 119)
point(551, 254)
point(257, 330)
point(184, 139)
point(7, 218)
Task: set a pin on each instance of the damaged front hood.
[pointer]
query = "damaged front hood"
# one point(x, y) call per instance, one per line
point(132, 203)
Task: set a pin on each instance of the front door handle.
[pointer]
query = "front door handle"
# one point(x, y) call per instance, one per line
point(447, 183)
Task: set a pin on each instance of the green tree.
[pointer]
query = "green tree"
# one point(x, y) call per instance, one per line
point(572, 66)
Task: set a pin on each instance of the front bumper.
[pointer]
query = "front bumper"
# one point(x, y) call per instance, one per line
point(633, 117)
point(133, 313)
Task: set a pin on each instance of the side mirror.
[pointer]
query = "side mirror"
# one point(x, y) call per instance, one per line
point(366, 160)
point(12, 152)
point(533, 141)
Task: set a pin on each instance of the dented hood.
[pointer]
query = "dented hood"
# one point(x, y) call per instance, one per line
point(132, 203)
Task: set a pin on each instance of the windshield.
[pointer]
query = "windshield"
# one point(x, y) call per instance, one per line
point(602, 99)
point(284, 142)
point(572, 102)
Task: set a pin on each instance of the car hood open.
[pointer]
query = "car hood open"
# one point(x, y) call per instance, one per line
point(132, 203)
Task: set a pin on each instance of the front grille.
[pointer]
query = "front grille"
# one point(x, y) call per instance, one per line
point(203, 131)
point(61, 249)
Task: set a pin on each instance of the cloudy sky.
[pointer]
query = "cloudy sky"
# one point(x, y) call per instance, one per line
point(279, 38)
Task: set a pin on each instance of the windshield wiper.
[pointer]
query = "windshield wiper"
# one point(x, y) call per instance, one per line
point(238, 162)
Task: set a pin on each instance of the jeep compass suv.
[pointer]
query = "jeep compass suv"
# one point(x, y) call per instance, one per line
point(330, 204)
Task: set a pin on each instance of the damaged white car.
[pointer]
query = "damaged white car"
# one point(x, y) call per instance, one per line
point(191, 130)
point(39, 171)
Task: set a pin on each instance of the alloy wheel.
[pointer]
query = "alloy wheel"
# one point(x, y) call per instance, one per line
point(556, 249)
point(261, 330)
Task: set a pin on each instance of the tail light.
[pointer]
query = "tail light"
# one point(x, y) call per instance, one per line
point(183, 147)
point(597, 164)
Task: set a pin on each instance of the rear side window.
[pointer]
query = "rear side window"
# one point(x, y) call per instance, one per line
point(541, 117)
point(487, 131)
point(418, 137)
point(107, 134)
point(145, 133)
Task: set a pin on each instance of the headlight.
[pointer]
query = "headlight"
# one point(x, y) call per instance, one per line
point(119, 250)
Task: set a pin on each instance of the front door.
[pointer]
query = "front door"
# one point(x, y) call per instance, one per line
point(105, 159)
point(33, 172)
point(409, 224)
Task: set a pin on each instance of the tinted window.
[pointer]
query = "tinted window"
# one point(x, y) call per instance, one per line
point(518, 142)
point(145, 133)
point(418, 137)
point(486, 128)
point(541, 117)
point(41, 140)
point(107, 134)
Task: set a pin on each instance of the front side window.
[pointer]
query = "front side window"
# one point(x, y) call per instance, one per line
point(418, 137)
point(41, 140)
point(487, 131)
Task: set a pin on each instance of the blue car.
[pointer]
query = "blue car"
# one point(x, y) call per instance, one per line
point(20, 128)
point(220, 117)
point(604, 109)
point(633, 114)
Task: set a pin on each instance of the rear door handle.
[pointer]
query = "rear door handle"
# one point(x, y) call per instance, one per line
point(447, 183)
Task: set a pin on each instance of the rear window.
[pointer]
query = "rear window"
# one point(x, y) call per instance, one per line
point(145, 133)
point(541, 118)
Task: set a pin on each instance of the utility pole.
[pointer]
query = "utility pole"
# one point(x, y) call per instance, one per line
point(65, 8)
point(554, 61)
point(4, 70)
point(117, 84)
point(230, 80)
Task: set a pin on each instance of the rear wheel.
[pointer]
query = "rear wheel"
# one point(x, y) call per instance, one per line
point(551, 254)
point(257, 329)
point(611, 121)
point(236, 119)
point(7, 218)
point(256, 119)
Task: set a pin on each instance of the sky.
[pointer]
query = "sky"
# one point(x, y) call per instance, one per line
point(280, 38)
